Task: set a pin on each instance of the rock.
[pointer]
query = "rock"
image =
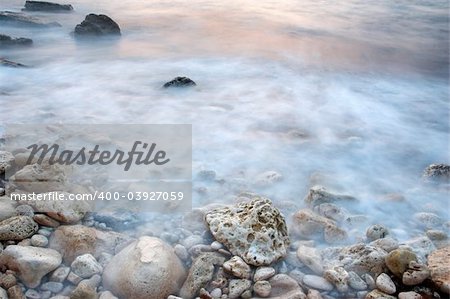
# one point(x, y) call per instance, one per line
point(6, 158)
point(179, 82)
point(313, 294)
point(46, 6)
point(436, 235)
point(7, 281)
point(41, 178)
point(237, 267)
point(60, 274)
point(415, 274)
point(262, 288)
point(181, 252)
point(267, 178)
point(318, 195)
point(118, 220)
point(94, 281)
point(385, 284)
point(17, 228)
point(96, 26)
point(85, 266)
point(428, 220)
point(7, 41)
point(388, 244)
point(440, 268)
point(23, 20)
point(24, 210)
point(63, 211)
point(263, 273)
point(333, 234)
point(331, 211)
point(285, 287)
point(237, 287)
point(338, 277)
point(52, 286)
point(39, 241)
point(421, 246)
point(369, 281)
point(3, 294)
point(376, 232)
point(376, 294)
point(192, 240)
point(146, 265)
point(84, 291)
point(9, 63)
point(107, 295)
point(30, 263)
point(74, 279)
point(356, 282)
point(32, 294)
point(398, 260)
point(7, 209)
point(256, 231)
point(437, 173)
point(15, 292)
point(306, 223)
point(409, 295)
point(311, 258)
point(75, 240)
point(44, 220)
point(317, 282)
point(200, 273)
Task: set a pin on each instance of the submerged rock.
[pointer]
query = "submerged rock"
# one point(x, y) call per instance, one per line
point(23, 20)
point(30, 263)
point(40, 178)
point(179, 82)
point(9, 63)
point(437, 173)
point(318, 195)
point(256, 231)
point(7, 41)
point(97, 25)
point(6, 158)
point(17, 228)
point(145, 269)
point(46, 6)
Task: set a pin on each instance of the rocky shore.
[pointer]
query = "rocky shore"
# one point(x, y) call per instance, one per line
point(248, 249)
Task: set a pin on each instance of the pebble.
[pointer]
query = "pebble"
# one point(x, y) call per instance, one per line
point(409, 295)
point(73, 278)
point(385, 284)
point(15, 292)
point(52, 286)
point(313, 294)
point(398, 260)
point(86, 265)
point(369, 281)
point(356, 282)
point(107, 295)
point(216, 293)
point(31, 294)
point(191, 241)
point(376, 294)
point(339, 277)
point(45, 232)
point(60, 274)
point(428, 220)
point(317, 282)
point(376, 232)
point(181, 252)
point(262, 288)
point(44, 220)
point(7, 281)
point(263, 273)
point(237, 267)
point(311, 258)
point(237, 287)
point(216, 245)
point(39, 241)
point(436, 235)
point(24, 210)
point(415, 274)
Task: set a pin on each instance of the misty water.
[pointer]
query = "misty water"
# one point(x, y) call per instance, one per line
point(352, 95)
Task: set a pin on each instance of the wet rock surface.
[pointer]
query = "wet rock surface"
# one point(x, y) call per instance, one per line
point(17, 228)
point(9, 63)
point(7, 41)
point(97, 26)
point(256, 231)
point(179, 82)
point(440, 268)
point(46, 6)
point(22, 20)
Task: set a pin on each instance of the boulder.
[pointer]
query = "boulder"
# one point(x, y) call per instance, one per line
point(17, 228)
point(96, 25)
point(46, 6)
point(23, 20)
point(145, 269)
point(7, 41)
point(256, 231)
point(179, 82)
point(75, 240)
point(30, 263)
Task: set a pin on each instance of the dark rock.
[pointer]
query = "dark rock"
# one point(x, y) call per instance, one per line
point(23, 20)
point(96, 25)
point(437, 173)
point(179, 82)
point(118, 220)
point(5, 62)
point(46, 6)
point(8, 41)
